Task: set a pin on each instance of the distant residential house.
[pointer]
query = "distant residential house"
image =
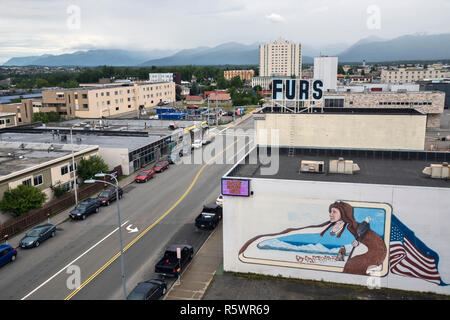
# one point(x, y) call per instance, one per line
point(207, 93)
point(194, 99)
point(221, 97)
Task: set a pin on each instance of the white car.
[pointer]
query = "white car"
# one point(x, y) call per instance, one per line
point(219, 200)
point(197, 144)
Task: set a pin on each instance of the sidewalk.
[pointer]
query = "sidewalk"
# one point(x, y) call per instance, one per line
point(199, 273)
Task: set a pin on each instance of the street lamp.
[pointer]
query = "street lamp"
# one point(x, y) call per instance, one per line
point(73, 165)
point(116, 186)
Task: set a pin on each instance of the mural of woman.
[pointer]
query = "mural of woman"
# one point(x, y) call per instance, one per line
point(341, 235)
point(376, 248)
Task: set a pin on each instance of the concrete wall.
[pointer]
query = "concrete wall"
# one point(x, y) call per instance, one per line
point(114, 157)
point(403, 132)
point(277, 205)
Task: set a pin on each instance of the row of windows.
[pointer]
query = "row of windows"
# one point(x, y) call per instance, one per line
point(406, 103)
point(65, 169)
point(37, 181)
point(3, 121)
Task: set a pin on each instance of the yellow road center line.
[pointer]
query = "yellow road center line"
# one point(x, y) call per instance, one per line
point(117, 255)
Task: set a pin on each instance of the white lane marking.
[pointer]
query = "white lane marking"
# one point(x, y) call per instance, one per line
point(71, 263)
point(132, 230)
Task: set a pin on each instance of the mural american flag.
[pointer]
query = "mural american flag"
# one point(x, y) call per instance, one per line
point(410, 257)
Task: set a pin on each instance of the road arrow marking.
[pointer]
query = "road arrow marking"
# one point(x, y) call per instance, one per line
point(132, 230)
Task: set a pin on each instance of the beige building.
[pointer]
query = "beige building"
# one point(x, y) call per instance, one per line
point(407, 75)
point(23, 112)
point(42, 165)
point(280, 58)
point(106, 100)
point(430, 103)
point(245, 75)
point(378, 130)
point(7, 119)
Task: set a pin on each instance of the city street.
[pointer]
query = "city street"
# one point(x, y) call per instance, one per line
point(163, 211)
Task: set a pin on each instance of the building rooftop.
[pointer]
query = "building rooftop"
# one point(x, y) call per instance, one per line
point(18, 156)
point(80, 138)
point(376, 166)
point(6, 114)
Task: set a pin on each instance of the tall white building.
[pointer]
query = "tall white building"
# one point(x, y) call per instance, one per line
point(280, 58)
point(325, 68)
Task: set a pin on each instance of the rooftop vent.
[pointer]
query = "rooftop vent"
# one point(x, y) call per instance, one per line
point(312, 166)
point(343, 166)
point(438, 171)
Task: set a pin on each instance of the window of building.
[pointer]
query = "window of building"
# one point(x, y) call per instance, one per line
point(85, 105)
point(66, 186)
point(64, 170)
point(84, 96)
point(129, 106)
point(107, 94)
point(27, 182)
point(75, 95)
point(19, 119)
point(334, 103)
point(117, 108)
point(38, 180)
point(8, 121)
point(71, 167)
point(115, 93)
point(108, 102)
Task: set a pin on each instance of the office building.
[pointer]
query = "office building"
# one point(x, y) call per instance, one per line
point(325, 69)
point(280, 58)
point(414, 74)
point(245, 75)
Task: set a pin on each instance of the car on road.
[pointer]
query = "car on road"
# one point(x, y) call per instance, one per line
point(85, 208)
point(37, 235)
point(170, 265)
point(144, 175)
point(197, 144)
point(219, 200)
point(108, 195)
point(7, 254)
point(160, 166)
point(148, 290)
point(210, 217)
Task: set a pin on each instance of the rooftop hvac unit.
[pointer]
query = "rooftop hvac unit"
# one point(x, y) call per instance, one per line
point(312, 166)
point(438, 171)
point(343, 166)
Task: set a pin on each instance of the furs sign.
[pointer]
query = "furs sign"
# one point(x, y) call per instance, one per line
point(297, 89)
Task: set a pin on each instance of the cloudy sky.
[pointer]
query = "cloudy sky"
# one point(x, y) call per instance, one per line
point(35, 27)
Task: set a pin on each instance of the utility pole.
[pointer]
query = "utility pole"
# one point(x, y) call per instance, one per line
point(217, 107)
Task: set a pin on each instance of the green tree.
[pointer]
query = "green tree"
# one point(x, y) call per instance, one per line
point(22, 199)
point(88, 168)
point(236, 82)
point(194, 89)
point(53, 116)
point(257, 88)
point(41, 83)
point(40, 117)
point(340, 70)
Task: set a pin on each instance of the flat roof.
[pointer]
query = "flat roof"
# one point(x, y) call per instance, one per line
point(5, 114)
point(18, 156)
point(390, 167)
point(79, 138)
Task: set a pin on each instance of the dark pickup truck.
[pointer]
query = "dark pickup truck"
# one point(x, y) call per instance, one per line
point(209, 217)
point(170, 265)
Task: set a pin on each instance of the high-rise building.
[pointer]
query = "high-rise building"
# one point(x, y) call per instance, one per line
point(280, 58)
point(325, 69)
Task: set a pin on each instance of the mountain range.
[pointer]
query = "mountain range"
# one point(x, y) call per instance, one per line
point(371, 49)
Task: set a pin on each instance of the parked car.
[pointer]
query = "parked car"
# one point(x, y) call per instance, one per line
point(37, 235)
point(209, 217)
point(7, 254)
point(144, 176)
point(219, 200)
point(108, 195)
point(197, 144)
point(148, 290)
point(170, 265)
point(85, 208)
point(160, 166)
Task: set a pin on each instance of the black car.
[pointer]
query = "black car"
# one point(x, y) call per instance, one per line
point(148, 290)
point(37, 235)
point(170, 265)
point(209, 217)
point(85, 208)
point(108, 195)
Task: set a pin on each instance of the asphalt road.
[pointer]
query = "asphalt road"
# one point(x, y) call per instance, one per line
point(163, 210)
